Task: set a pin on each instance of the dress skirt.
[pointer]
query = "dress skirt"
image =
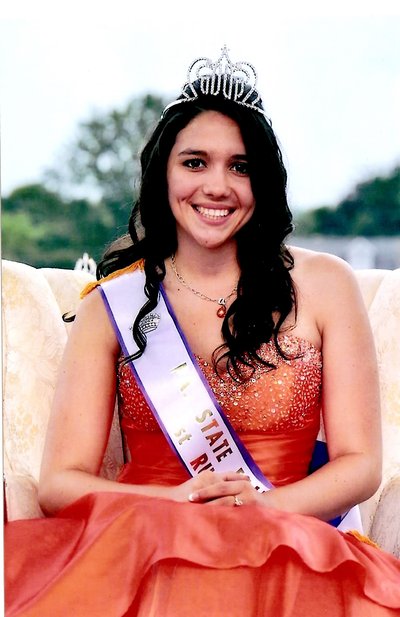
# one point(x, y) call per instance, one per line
point(114, 554)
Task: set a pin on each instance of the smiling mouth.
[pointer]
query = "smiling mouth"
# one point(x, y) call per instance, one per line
point(212, 213)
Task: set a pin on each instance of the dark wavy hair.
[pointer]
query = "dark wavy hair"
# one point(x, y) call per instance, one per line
point(265, 287)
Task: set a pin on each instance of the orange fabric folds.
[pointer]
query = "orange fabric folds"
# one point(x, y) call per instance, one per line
point(114, 554)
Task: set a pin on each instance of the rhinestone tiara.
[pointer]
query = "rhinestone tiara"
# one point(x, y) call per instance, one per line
point(235, 81)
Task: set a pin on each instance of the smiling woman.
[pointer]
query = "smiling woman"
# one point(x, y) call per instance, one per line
point(209, 187)
point(220, 410)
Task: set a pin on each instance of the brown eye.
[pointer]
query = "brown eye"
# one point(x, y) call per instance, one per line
point(194, 163)
point(241, 168)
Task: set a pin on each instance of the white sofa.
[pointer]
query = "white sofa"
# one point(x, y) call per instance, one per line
point(34, 336)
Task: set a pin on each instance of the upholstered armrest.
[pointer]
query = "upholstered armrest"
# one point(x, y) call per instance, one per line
point(381, 292)
point(33, 341)
point(66, 286)
point(34, 337)
point(21, 496)
point(369, 282)
point(385, 530)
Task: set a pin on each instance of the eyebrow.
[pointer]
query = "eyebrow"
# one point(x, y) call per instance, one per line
point(193, 152)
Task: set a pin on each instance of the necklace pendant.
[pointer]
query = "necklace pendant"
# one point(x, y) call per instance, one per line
point(222, 308)
point(221, 311)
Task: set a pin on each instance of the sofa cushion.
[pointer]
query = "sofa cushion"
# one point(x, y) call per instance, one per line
point(34, 337)
point(33, 341)
point(381, 291)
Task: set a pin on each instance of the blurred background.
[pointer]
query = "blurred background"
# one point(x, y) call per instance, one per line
point(82, 85)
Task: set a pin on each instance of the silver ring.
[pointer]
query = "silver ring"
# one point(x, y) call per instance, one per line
point(237, 501)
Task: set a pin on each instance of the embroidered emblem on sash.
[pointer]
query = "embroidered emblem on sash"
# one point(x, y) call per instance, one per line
point(150, 322)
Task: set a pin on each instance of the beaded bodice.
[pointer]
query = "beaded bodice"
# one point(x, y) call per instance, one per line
point(280, 400)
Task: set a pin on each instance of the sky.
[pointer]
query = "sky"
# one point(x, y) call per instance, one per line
point(329, 78)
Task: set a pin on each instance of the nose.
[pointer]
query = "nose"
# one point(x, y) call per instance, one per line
point(216, 183)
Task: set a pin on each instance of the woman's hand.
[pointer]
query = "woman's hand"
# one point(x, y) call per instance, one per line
point(225, 489)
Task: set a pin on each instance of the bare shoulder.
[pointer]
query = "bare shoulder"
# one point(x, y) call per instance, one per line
point(93, 324)
point(92, 304)
point(321, 270)
point(327, 289)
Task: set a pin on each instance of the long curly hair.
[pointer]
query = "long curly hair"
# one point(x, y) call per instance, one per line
point(266, 293)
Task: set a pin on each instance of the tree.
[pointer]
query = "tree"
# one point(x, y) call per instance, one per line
point(372, 209)
point(20, 237)
point(104, 158)
point(45, 225)
point(41, 228)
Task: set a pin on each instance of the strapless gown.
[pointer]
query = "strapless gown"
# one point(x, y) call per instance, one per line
point(113, 554)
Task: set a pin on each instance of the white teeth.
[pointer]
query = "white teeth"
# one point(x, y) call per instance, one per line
point(212, 213)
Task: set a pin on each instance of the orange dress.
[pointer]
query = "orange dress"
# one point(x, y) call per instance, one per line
point(114, 555)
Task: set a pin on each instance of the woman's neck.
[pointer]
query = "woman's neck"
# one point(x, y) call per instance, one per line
point(203, 262)
point(214, 272)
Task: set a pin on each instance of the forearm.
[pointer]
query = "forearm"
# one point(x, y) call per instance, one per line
point(63, 487)
point(330, 491)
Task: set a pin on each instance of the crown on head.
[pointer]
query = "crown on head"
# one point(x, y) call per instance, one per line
point(234, 81)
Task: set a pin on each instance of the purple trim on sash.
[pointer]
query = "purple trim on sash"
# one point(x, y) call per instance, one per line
point(113, 322)
point(138, 380)
point(245, 454)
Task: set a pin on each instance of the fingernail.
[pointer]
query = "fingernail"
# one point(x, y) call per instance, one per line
point(193, 497)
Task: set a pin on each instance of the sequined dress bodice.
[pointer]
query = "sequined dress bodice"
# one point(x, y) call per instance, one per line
point(276, 414)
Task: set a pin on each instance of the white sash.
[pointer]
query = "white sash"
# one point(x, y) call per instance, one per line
point(174, 387)
point(176, 390)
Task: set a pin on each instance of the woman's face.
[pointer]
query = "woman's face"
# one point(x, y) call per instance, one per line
point(209, 186)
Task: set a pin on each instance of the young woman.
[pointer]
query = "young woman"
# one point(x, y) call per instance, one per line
point(223, 345)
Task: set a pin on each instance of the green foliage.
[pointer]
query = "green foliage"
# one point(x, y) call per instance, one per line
point(42, 229)
point(20, 237)
point(373, 209)
point(104, 158)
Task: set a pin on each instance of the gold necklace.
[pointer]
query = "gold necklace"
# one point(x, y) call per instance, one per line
point(221, 312)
